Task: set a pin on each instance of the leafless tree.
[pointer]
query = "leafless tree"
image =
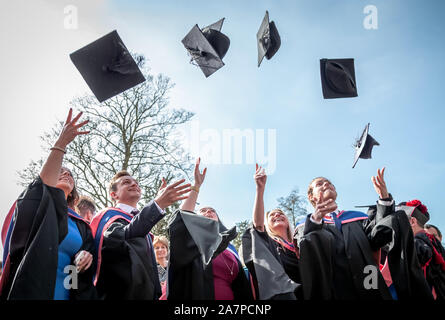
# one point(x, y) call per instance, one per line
point(132, 131)
point(294, 205)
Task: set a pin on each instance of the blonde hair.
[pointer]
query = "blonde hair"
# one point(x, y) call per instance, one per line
point(289, 231)
point(162, 239)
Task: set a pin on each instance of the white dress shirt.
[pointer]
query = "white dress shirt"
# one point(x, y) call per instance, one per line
point(130, 209)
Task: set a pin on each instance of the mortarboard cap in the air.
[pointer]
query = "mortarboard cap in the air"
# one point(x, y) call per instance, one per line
point(268, 39)
point(207, 47)
point(363, 146)
point(107, 66)
point(338, 78)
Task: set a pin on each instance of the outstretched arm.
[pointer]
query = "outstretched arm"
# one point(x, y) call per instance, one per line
point(260, 178)
point(377, 228)
point(51, 169)
point(190, 203)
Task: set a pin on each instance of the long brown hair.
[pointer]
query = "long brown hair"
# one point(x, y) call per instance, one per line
point(73, 197)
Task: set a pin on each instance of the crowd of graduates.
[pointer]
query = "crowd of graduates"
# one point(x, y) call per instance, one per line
point(388, 253)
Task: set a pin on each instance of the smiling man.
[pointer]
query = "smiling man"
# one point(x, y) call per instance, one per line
point(338, 249)
point(126, 267)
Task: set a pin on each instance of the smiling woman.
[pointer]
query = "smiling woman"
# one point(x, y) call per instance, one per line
point(268, 249)
point(67, 184)
point(54, 224)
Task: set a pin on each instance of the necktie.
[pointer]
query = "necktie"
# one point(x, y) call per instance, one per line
point(151, 253)
point(336, 221)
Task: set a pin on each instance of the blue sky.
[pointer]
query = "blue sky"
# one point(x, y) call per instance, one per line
point(399, 70)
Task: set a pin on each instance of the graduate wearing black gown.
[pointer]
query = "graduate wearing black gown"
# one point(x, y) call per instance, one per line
point(268, 251)
point(338, 249)
point(36, 227)
point(430, 253)
point(400, 258)
point(196, 242)
point(38, 224)
point(126, 267)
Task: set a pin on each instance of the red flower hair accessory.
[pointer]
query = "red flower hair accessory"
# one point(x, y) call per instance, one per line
point(416, 203)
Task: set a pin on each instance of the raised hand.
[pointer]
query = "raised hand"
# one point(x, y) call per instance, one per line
point(70, 130)
point(260, 177)
point(379, 184)
point(167, 195)
point(323, 207)
point(199, 177)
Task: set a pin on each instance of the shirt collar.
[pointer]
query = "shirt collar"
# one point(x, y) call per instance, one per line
point(125, 207)
point(336, 212)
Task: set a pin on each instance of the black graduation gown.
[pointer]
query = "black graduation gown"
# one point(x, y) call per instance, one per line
point(332, 262)
point(430, 252)
point(40, 223)
point(127, 266)
point(275, 269)
point(406, 273)
point(194, 242)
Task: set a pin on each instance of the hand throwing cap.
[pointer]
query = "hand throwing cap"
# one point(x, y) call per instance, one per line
point(268, 39)
point(107, 66)
point(363, 146)
point(338, 78)
point(207, 47)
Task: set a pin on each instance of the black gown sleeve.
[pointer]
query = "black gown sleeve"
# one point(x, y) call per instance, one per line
point(143, 222)
point(189, 278)
point(377, 230)
point(402, 259)
point(423, 249)
point(194, 242)
point(316, 252)
point(263, 260)
point(40, 224)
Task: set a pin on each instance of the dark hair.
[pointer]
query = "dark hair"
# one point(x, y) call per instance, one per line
point(86, 202)
point(427, 226)
point(310, 189)
point(113, 182)
point(73, 197)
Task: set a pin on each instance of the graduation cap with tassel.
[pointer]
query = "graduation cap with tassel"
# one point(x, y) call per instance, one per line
point(207, 47)
point(363, 146)
point(107, 66)
point(268, 39)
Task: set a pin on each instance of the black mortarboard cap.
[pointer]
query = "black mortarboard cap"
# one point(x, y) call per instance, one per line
point(107, 66)
point(268, 39)
point(207, 47)
point(416, 209)
point(338, 78)
point(363, 146)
